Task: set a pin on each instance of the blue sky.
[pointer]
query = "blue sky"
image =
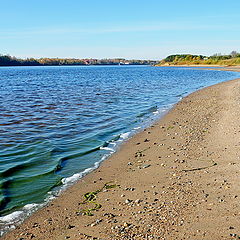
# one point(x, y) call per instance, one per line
point(138, 29)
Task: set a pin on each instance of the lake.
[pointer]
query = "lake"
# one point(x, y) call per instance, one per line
point(58, 123)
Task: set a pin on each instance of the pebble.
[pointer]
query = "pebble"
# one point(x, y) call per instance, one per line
point(70, 226)
point(98, 221)
point(126, 224)
point(138, 201)
point(128, 201)
point(146, 165)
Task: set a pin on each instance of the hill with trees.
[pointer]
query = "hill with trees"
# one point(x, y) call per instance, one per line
point(187, 59)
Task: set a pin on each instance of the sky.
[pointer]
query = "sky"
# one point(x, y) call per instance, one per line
point(131, 29)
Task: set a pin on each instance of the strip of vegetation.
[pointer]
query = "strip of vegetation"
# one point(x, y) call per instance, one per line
point(187, 59)
point(6, 60)
point(91, 197)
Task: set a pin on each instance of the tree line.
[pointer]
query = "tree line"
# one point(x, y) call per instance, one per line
point(6, 60)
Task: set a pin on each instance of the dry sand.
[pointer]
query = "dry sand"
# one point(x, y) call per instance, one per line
point(178, 179)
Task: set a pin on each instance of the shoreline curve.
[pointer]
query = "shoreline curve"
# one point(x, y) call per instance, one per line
point(167, 179)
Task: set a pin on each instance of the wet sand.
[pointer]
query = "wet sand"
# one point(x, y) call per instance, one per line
point(178, 179)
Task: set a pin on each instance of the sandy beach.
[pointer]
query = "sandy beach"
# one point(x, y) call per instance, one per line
point(178, 179)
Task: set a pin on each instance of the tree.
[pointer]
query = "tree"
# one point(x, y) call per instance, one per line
point(234, 53)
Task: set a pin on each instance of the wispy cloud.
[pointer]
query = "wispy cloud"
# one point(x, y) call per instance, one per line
point(150, 27)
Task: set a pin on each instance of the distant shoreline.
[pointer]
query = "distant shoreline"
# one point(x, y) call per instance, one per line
point(76, 65)
point(6, 60)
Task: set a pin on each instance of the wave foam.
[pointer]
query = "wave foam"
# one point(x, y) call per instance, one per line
point(11, 217)
point(125, 135)
point(107, 148)
point(30, 206)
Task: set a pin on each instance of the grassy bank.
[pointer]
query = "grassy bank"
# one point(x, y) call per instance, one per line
point(188, 59)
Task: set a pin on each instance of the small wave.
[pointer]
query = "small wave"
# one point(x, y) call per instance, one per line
point(107, 149)
point(148, 111)
point(30, 206)
point(72, 179)
point(75, 155)
point(9, 222)
point(75, 177)
point(15, 216)
point(11, 217)
point(125, 135)
point(112, 143)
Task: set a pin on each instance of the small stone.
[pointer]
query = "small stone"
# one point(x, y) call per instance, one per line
point(126, 224)
point(146, 166)
point(98, 221)
point(70, 226)
point(128, 201)
point(138, 201)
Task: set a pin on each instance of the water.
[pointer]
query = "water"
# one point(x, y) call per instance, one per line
point(58, 123)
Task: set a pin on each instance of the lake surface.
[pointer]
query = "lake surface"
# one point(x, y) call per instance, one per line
point(59, 123)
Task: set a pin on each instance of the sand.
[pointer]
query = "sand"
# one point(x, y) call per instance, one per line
point(178, 179)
